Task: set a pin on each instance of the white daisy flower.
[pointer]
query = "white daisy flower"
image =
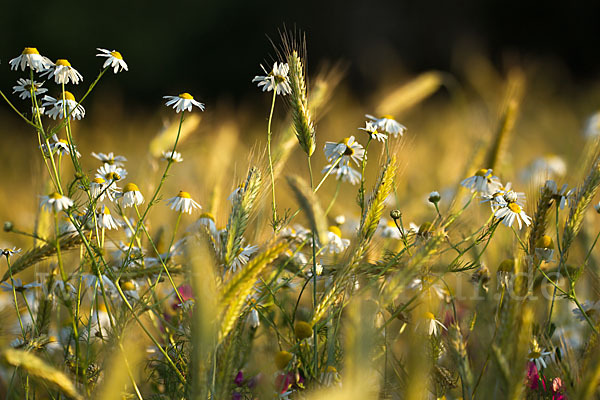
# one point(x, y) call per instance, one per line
point(130, 288)
point(538, 355)
point(110, 159)
point(114, 59)
point(106, 220)
point(562, 196)
point(243, 257)
point(66, 226)
point(99, 189)
point(173, 156)
point(330, 377)
point(111, 173)
point(348, 149)
point(483, 181)
point(335, 243)
point(183, 203)
point(208, 220)
point(30, 57)
point(592, 310)
point(131, 196)
point(62, 147)
point(183, 102)
point(24, 87)
point(57, 110)
point(63, 73)
point(433, 325)
point(511, 212)
point(371, 129)
point(56, 202)
point(18, 285)
point(9, 252)
point(277, 79)
point(344, 172)
point(503, 196)
point(388, 124)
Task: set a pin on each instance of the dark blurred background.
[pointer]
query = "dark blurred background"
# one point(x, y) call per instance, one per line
point(213, 48)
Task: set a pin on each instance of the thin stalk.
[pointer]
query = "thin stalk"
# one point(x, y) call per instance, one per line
point(271, 159)
point(314, 292)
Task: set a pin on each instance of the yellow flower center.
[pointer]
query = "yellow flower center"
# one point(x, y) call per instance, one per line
point(429, 315)
point(387, 116)
point(349, 150)
point(186, 96)
point(184, 195)
point(535, 354)
point(208, 215)
point(98, 181)
point(116, 54)
point(30, 50)
point(127, 285)
point(105, 210)
point(63, 141)
point(102, 307)
point(391, 223)
point(481, 172)
point(336, 230)
point(514, 207)
point(331, 369)
point(55, 196)
point(545, 242)
point(112, 176)
point(62, 62)
point(69, 96)
point(131, 187)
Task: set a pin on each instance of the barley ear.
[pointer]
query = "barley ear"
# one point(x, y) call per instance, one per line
point(233, 295)
point(309, 202)
point(583, 197)
point(298, 99)
point(37, 254)
point(240, 213)
point(38, 369)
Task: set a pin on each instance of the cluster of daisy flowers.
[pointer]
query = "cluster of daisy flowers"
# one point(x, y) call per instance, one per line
point(62, 73)
point(507, 205)
point(342, 154)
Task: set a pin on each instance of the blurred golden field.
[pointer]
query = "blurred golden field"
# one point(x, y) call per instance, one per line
point(457, 121)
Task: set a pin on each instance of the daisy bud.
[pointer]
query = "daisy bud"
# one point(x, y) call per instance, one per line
point(434, 197)
point(303, 330)
point(395, 214)
point(8, 226)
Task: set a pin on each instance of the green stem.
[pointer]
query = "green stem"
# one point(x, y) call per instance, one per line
point(333, 199)
point(314, 293)
point(271, 159)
